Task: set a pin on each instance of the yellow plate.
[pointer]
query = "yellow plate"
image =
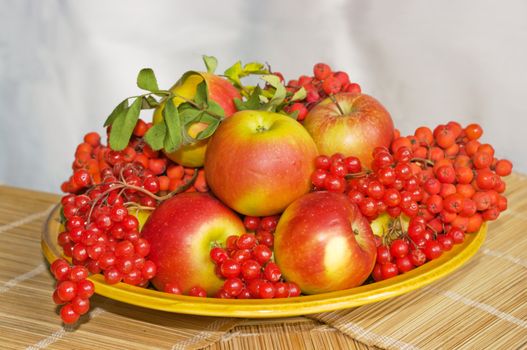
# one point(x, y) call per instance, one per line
point(258, 308)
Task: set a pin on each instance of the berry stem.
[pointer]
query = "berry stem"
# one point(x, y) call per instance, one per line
point(356, 175)
point(423, 160)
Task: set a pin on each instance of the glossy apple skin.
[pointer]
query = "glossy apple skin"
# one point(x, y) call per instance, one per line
point(259, 162)
point(181, 232)
point(220, 90)
point(316, 247)
point(366, 124)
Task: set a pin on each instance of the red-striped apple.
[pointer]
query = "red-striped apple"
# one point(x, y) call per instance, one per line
point(324, 244)
point(350, 123)
point(181, 232)
point(259, 162)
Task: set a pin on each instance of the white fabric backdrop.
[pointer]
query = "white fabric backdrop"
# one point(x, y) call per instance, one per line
point(65, 64)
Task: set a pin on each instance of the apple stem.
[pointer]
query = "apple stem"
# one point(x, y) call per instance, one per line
point(332, 97)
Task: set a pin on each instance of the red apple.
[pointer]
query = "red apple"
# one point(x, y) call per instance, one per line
point(181, 232)
point(259, 162)
point(352, 124)
point(324, 244)
point(221, 91)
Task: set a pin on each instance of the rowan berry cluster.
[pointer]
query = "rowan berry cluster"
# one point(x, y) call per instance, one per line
point(322, 84)
point(437, 185)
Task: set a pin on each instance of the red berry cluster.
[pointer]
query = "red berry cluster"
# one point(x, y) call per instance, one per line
point(322, 84)
point(246, 265)
point(95, 163)
point(445, 181)
point(100, 235)
point(73, 290)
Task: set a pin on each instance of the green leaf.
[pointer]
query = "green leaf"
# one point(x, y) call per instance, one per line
point(233, 73)
point(202, 93)
point(172, 120)
point(146, 80)
point(253, 102)
point(149, 102)
point(120, 109)
point(155, 136)
point(189, 115)
point(123, 126)
point(209, 130)
point(211, 63)
point(299, 95)
point(215, 109)
point(280, 91)
point(254, 68)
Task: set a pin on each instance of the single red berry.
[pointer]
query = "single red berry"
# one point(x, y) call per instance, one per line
point(266, 290)
point(233, 286)
point(230, 268)
point(281, 290)
point(322, 162)
point(417, 257)
point(433, 250)
point(68, 314)
point(246, 241)
point(294, 289)
point(399, 248)
point(321, 71)
point(404, 264)
point(241, 255)
point(331, 85)
point(262, 253)
point(389, 270)
point(172, 288)
point(250, 269)
point(251, 223)
point(124, 249)
point(383, 254)
point(66, 290)
point(272, 272)
point(269, 223)
point(112, 276)
point(78, 273)
point(80, 305)
point(197, 292)
point(142, 247)
point(218, 255)
point(503, 167)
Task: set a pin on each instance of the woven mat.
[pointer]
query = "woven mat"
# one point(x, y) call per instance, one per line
point(482, 305)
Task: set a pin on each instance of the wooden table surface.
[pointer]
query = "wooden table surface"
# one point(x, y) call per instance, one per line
point(482, 305)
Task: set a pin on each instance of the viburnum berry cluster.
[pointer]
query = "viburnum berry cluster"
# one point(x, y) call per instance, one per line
point(249, 272)
point(322, 84)
point(107, 187)
point(73, 290)
point(436, 185)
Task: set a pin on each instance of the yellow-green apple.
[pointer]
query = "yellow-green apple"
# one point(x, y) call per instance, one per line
point(259, 162)
point(350, 123)
point(324, 244)
point(181, 232)
point(221, 91)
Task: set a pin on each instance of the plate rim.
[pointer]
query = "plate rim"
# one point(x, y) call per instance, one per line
point(285, 307)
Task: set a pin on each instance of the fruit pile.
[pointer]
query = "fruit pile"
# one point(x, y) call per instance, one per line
point(237, 191)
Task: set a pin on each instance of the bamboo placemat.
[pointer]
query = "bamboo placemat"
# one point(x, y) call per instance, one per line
point(483, 305)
